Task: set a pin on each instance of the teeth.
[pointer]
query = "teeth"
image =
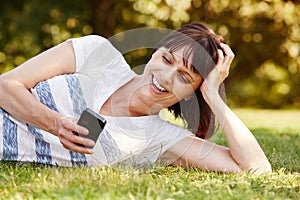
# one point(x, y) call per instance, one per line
point(158, 86)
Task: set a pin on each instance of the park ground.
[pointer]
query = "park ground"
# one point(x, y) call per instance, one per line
point(278, 132)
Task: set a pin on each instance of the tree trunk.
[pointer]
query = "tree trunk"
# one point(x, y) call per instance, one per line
point(103, 17)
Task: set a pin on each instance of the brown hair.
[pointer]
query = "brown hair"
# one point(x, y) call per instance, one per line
point(202, 44)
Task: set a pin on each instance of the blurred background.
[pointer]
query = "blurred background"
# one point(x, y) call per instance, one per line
point(264, 35)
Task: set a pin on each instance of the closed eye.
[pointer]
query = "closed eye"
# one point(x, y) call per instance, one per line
point(184, 78)
point(166, 59)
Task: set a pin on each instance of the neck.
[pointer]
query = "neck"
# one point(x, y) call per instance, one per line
point(138, 107)
point(128, 101)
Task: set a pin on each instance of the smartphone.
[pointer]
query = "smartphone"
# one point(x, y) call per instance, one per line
point(93, 122)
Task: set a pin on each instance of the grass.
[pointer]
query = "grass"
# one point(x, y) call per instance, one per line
point(278, 132)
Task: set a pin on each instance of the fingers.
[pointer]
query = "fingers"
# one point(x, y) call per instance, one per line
point(71, 124)
point(224, 60)
point(221, 58)
point(76, 143)
point(73, 141)
point(229, 55)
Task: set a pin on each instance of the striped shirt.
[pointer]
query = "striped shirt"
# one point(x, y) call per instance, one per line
point(100, 71)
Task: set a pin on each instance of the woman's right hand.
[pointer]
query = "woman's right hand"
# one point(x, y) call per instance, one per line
point(15, 96)
point(72, 141)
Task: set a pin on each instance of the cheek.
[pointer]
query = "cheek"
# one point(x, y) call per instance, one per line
point(152, 64)
point(182, 90)
point(197, 84)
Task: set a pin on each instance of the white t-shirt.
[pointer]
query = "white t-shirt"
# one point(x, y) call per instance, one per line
point(127, 141)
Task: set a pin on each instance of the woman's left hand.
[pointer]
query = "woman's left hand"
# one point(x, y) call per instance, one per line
point(210, 85)
point(72, 141)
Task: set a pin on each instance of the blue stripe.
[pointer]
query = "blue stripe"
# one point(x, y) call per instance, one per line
point(42, 148)
point(79, 105)
point(110, 147)
point(45, 95)
point(78, 159)
point(10, 138)
point(43, 151)
point(76, 94)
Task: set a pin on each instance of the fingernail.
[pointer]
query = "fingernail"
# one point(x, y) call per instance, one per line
point(91, 143)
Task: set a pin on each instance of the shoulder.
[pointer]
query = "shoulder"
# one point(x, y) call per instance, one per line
point(93, 44)
point(89, 48)
point(169, 133)
point(87, 44)
point(88, 40)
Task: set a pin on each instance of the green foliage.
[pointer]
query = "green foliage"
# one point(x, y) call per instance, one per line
point(265, 36)
point(30, 27)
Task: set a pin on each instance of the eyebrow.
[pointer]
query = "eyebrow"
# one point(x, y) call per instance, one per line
point(188, 65)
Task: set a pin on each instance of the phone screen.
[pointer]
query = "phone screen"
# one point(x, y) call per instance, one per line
point(93, 122)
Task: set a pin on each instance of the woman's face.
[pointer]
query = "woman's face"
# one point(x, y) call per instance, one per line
point(168, 78)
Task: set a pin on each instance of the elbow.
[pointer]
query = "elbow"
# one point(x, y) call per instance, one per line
point(264, 165)
point(2, 90)
point(7, 88)
point(260, 168)
point(2, 80)
point(266, 168)
point(3, 84)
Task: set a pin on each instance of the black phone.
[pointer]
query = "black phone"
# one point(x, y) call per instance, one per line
point(93, 122)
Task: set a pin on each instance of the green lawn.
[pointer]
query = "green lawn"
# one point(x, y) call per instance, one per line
point(278, 132)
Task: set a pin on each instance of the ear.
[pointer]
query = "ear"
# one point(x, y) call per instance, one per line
point(188, 98)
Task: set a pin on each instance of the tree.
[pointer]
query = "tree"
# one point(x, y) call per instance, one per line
point(265, 36)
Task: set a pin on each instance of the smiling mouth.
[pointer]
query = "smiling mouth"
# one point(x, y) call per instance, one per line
point(158, 86)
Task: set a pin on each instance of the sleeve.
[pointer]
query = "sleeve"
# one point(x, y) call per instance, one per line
point(100, 68)
point(171, 134)
point(84, 47)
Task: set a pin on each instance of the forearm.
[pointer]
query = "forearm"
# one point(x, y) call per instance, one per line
point(243, 146)
point(22, 105)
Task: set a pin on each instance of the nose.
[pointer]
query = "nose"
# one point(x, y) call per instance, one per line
point(169, 75)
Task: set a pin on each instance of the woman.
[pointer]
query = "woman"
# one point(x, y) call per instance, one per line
point(42, 98)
